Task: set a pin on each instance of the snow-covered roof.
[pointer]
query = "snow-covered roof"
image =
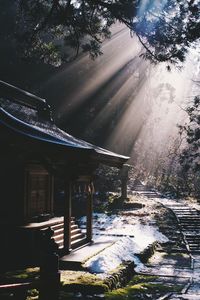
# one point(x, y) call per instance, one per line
point(28, 115)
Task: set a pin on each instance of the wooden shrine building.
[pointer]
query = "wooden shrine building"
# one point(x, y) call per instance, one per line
point(36, 154)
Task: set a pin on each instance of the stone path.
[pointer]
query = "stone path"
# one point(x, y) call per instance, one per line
point(188, 220)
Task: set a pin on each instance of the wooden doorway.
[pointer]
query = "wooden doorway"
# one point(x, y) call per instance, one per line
point(38, 185)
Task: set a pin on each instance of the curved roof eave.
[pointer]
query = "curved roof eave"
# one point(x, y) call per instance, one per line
point(25, 129)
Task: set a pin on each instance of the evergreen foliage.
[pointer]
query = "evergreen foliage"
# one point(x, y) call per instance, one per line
point(49, 30)
point(190, 157)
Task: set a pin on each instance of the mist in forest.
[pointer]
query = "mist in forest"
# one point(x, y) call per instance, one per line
point(124, 103)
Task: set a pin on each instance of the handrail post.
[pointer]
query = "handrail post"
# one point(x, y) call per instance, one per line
point(49, 287)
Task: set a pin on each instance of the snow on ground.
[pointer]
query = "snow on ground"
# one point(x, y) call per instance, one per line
point(129, 235)
point(126, 225)
point(121, 251)
point(131, 231)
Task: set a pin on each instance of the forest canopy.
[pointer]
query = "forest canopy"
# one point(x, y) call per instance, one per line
point(57, 31)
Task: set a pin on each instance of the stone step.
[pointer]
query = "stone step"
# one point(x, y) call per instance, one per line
point(194, 227)
point(191, 226)
point(189, 214)
point(186, 211)
point(189, 217)
point(180, 212)
point(193, 240)
point(194, 244)
point(194, 248)
point(189, 223)
point(197, 245)
point(192, 236)
point(186, 229)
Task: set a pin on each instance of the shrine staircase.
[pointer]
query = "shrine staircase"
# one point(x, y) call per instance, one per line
point(77, 237)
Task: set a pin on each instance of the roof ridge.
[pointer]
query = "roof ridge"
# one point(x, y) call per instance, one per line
point(25, 98)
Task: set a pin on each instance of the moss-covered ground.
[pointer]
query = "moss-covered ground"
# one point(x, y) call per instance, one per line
point(142, 287)
point(21, 275)
point(82, 282)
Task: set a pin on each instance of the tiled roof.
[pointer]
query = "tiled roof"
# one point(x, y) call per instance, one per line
point(33, 119)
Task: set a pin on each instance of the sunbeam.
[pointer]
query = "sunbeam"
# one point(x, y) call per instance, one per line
point(83, 77)
point(122, 102)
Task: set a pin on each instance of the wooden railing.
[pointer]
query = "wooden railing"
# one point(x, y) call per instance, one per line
point(19, 290)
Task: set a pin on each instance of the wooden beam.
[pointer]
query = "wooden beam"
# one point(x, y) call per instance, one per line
point(67, 217)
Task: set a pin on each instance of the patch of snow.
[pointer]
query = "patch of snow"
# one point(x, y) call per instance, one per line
point(131, 233)
point(124, 225)
point(145, 235)
point(125, 249)
point(121, 251)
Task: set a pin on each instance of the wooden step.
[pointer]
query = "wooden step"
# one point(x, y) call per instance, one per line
point(73, 227)
point(77, 236)
point(60, 244)
point(78, 243)
point(75, 231)
point(59, 237)
point(57, 226)
point(58, 231)
point(74, 244)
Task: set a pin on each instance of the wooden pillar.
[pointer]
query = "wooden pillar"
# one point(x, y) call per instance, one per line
point(67, 217)
point(124, 180)
point(89, 213)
